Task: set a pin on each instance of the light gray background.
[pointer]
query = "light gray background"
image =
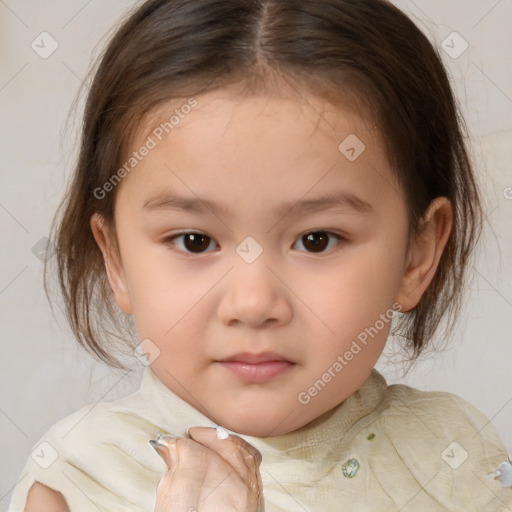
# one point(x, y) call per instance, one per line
point(45, 376)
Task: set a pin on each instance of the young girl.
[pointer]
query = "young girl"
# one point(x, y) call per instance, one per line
point(265, 188)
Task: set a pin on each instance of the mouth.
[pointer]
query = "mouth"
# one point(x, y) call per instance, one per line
point(256, 368)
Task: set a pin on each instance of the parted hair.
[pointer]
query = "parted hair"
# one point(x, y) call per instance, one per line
point(337, 49)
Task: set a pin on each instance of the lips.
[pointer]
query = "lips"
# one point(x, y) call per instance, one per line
point(249, 358)
point(256, 368)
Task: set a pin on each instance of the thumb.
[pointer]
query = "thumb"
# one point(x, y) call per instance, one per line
point(164, 484)
point(235, 450)
point(171, 497)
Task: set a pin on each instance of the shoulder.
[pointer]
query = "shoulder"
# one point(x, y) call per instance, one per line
point(445, 415)
point(85, 433)
point(105, 442)
point(447, 444)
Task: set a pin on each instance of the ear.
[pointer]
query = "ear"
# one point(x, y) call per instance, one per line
point(425, 252)
point(115, 272)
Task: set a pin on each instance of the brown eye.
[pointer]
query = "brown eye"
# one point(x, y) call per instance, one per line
point(196, 242)
point(317, 241)
point(192, 242)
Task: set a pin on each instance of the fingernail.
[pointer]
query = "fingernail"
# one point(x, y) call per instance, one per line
point(164, 438)
point(166, 450)
point(222, 433)
point(155, 445)
point(160, 449)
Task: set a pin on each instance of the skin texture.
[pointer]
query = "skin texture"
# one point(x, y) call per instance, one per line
point(251, 155)
point(308, 302)
point(204, 472)
point(43, 499)
point(225, 471)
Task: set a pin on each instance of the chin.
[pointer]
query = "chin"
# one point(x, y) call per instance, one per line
point(256, 430)
point(262, 426)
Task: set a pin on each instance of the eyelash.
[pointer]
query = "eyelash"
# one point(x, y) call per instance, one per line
point(170, 240)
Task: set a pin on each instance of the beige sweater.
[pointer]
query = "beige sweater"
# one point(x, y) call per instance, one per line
point(386, 448)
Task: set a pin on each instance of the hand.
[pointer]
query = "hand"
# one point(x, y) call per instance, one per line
point(207, 474)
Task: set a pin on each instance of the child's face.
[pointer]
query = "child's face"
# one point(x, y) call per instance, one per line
point(251, 157)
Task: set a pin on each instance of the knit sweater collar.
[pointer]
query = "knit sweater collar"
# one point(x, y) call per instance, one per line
point(317, 436)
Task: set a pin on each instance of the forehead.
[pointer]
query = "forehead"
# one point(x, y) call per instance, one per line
point(234, 110)
point(277, 145)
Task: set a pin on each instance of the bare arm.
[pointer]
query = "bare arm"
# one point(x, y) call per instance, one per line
point(43, 499)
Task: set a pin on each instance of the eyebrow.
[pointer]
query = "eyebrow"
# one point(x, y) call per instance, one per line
point(341, 201)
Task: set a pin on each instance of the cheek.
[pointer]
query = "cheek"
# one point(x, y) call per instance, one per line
point(366, 281)
point(152, 288)
point(170, 305)
point(345, 303)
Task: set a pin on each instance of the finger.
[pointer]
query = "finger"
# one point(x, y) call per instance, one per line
point(207, 434)
point(164, 445)
point(237, 452)
point(173, 494)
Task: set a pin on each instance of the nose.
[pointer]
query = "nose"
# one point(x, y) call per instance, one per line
point(254, 296)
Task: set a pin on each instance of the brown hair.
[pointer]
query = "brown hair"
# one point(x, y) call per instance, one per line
point(167, 49)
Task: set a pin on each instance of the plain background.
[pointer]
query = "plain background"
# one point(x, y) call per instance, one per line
point(44, 376)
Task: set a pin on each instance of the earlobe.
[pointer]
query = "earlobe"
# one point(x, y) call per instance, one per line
point(425, 252)
point(113, 264)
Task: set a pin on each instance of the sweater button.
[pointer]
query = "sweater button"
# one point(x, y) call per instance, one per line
point(350, 468)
